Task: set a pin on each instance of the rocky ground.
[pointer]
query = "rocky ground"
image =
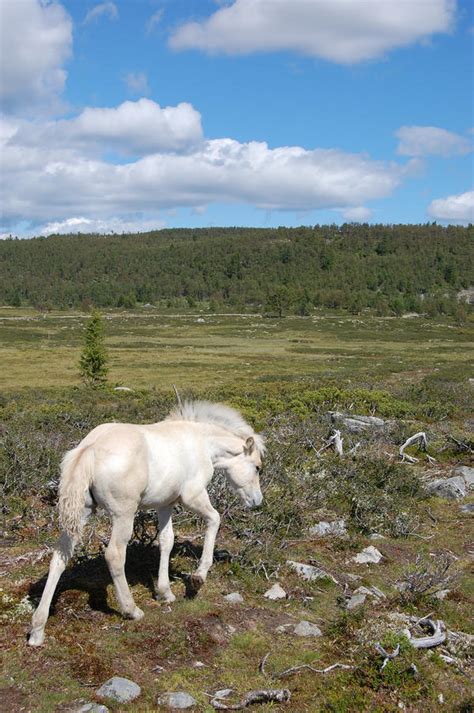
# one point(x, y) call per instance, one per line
point(349, 590)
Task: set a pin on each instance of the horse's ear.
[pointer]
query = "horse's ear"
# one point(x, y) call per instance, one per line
point(249, 445)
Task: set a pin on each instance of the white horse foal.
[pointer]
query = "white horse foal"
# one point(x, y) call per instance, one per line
point(124, 467)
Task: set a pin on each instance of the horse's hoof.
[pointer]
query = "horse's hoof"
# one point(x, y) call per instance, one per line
point(167, 597)
point(36, 638)
point(196, 582)
point(136, 614)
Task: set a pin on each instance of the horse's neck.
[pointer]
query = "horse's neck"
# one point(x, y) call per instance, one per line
point(222, 444)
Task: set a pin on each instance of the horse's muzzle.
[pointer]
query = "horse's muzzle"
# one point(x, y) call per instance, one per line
point(255, 500)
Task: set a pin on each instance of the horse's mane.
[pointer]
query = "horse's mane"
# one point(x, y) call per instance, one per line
point(218, 414)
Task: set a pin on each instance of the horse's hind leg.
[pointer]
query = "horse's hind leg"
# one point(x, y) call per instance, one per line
point(61, 556)
point(115, 557)
point(166, 545)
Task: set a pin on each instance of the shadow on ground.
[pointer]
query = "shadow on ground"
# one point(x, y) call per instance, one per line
point(91, 574)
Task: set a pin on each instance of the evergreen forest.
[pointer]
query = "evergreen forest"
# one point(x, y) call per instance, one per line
point(390, 269)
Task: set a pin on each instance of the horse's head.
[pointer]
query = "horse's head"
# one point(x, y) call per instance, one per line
point(243, 472)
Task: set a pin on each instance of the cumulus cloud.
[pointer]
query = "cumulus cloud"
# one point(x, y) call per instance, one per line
point(103, 9)
point(455, 209)
point(342, 31)
point(102, 226)
point(36, 41)
point(359, 214)
point(48, 183)
point(431, 140)
point(137, 83)
point(135, 128)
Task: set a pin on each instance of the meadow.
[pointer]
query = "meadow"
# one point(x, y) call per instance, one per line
point(285, 375)
point(201, 351)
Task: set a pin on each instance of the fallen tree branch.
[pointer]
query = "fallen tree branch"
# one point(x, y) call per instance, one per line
point(178, 397)
point(427, 642)
point(461, 445)
point(386, 656)
point(301, 667)
point(277, 695)
point(334, 441)
point(421, 437)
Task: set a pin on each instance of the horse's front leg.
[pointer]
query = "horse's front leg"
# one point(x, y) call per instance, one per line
point(166, 545)
point(201, 505)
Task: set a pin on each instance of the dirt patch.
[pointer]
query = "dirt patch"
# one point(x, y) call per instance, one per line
point(12, 699)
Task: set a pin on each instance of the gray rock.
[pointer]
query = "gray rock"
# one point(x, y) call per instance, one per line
point(283, 628)
point(466, 472)
point(356, 601)
point(234, 598)
point(368, 555)
point(308, 572)
point(84, 708)
point(223, 693)
point(179, 700)
point(123, 388)
point(119, 689)
point(370, 592)
point(336, 528)
point(449, 488)
point(306, 628)
point(453, 488)
point(467, 508)
point(442, 594)
point(275, 592)
point(355, 423)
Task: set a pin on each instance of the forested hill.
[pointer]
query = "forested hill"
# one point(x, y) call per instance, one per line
point(390, 268)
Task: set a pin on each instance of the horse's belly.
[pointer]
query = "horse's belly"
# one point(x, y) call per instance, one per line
point(160, 493)
point(165, 478)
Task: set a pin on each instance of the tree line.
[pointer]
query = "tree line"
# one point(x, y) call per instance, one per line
point(390, 269)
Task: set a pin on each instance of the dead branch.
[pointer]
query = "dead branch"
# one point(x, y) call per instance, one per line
point(301, 667)
point(421, 437)
point(178, 397)
point(335, 441)
point(461, 445)
point(278, 695)
point(354, 449)
point(386, 656)
point(427, 642)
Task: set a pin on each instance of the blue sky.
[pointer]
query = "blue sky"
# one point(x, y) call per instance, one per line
point(139, 114)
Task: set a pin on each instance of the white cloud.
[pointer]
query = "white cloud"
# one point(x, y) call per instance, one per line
point(103, 226)
point(344, 31)
point(36, 39)
point(104, 8)
point(137, 83)
point(359, 214)
point(153, 21)
point(49, 183)
point(456, 209)
point(136, 128)
point(431, 140)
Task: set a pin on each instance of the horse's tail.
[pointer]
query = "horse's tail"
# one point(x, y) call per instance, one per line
point(77, 470)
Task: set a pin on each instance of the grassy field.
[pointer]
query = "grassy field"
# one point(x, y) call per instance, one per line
point(285, 375)
point(200, 351)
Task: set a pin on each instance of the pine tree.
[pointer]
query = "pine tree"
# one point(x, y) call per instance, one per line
point(93, 361)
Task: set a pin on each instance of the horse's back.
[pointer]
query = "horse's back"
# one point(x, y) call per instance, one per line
point(120, 464)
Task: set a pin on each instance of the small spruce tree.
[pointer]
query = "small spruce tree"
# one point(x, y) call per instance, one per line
point(93, 361)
